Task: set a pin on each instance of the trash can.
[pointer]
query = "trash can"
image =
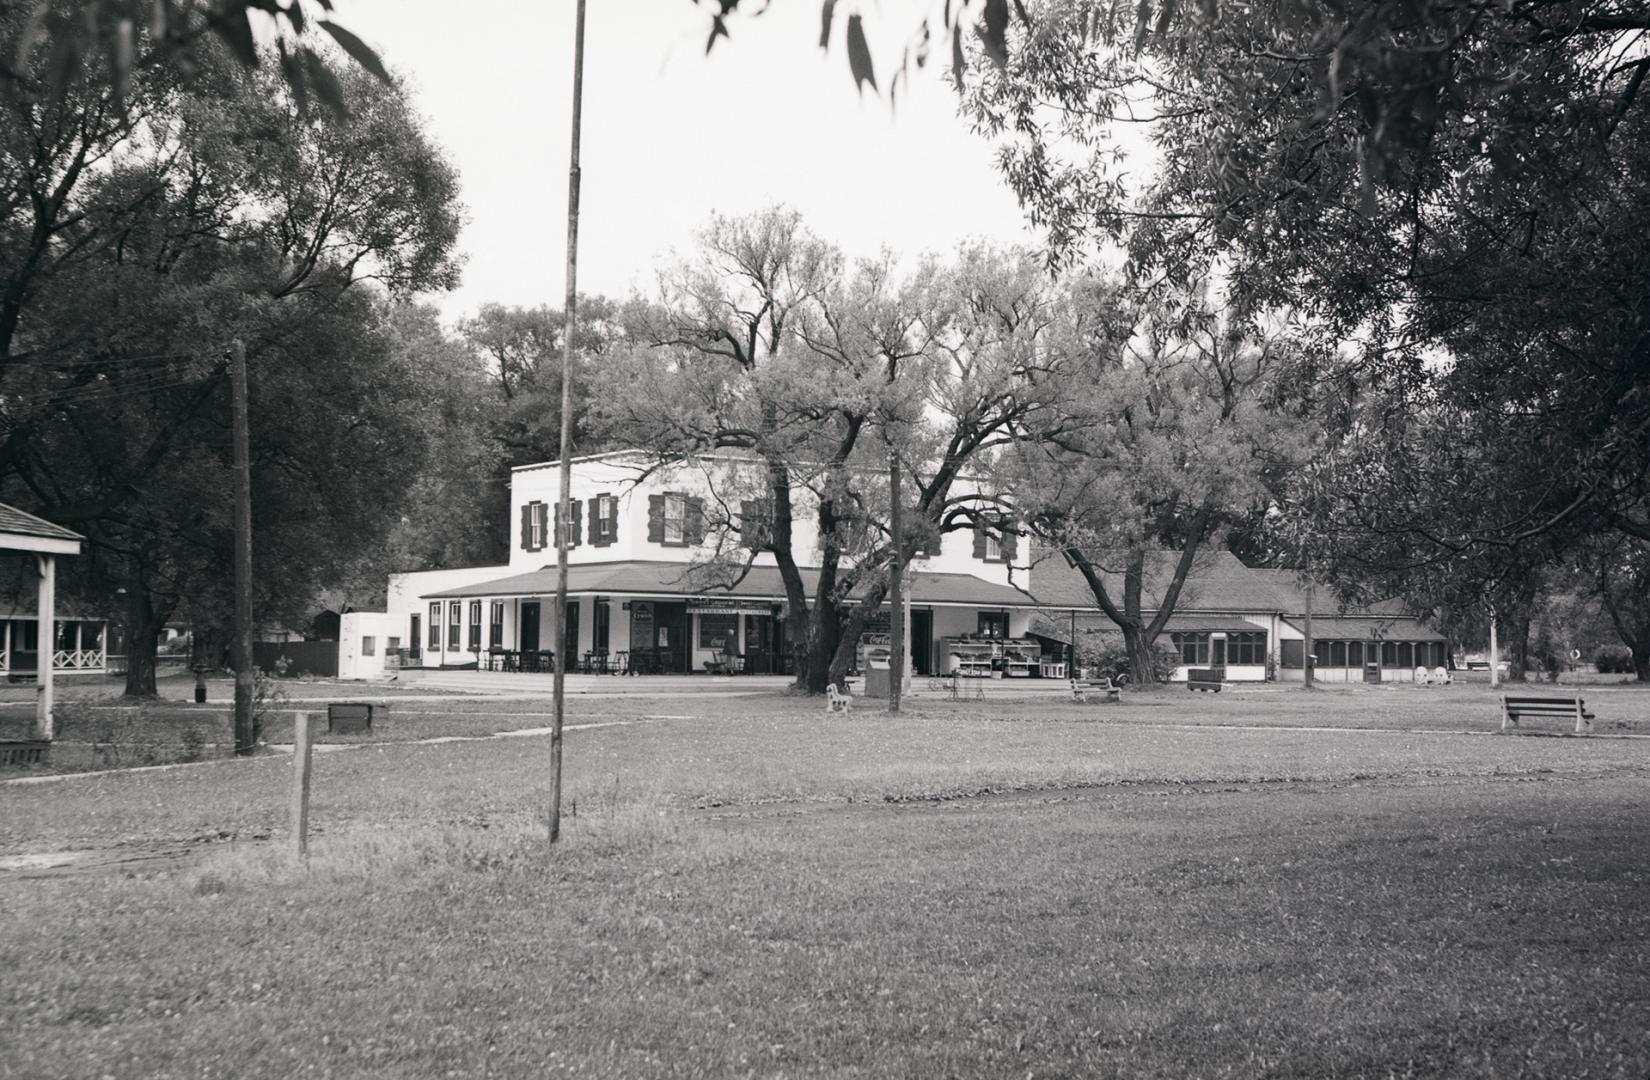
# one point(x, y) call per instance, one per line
point(1372, 673)
point(877, 679)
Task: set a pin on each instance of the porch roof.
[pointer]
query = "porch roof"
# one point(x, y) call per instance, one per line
point(673, 580)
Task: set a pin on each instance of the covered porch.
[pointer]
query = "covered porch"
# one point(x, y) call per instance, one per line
point(659, 618)
point(41, 542)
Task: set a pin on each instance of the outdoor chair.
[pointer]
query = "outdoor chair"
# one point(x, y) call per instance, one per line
point(1442, 677)
point(1422, 676)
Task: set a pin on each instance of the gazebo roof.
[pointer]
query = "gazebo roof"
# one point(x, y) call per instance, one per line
point(22, 531)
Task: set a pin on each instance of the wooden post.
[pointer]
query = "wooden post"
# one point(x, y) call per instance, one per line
point(300, 784)
point(47, 640)
point(896, 621)
point(563, 504)
point(244, 736)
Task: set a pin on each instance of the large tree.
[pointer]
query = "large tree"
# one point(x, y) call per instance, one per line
point(768, 343)
point(223, 212)
point(1183, 430)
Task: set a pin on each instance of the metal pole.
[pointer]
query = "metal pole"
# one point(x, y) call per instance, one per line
point(243, 549)
point(896, 591)
point(564, 513)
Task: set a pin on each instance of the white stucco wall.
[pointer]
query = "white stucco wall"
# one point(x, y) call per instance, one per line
point(354, 630)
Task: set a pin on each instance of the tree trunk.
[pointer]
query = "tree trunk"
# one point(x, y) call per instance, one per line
point(1641, 660)
point(814, 670)
point(143, 629)
point(1518, 640)
point(1139, 649)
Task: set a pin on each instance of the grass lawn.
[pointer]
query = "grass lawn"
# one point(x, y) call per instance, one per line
point(1181, 886)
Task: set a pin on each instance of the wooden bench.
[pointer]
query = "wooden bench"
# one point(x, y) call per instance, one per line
point(837, 700)
point(24, 751)
point(1515, 708)
point(1205, 679)
point(1102, 689)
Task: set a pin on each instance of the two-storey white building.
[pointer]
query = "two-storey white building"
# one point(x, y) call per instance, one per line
point(658, 580)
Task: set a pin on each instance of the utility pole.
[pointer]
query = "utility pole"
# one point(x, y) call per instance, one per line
point(1307, 645)
point(896, 589)
point(245, 737)
point(564, 512)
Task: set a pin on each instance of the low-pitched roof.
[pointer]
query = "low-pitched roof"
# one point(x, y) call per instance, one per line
point(22, 523)
point(1354, 627)
point(1218, 582)
point(676, 580)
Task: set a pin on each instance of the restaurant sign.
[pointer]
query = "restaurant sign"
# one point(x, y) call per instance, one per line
point(726, 605)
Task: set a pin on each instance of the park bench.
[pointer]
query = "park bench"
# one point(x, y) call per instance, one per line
point(1205, 679)
point(837, 700)
point(1514, 709)
point(1102, 689)
point(23, 751)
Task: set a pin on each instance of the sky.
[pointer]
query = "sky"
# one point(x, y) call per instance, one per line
point(670, 135)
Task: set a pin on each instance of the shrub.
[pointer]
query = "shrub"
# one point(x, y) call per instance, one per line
point(1103, 653)
point(1613, 662)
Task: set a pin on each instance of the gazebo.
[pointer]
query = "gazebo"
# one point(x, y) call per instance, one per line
point(24, 533)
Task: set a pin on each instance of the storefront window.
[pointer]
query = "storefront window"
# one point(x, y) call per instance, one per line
point(719, 631)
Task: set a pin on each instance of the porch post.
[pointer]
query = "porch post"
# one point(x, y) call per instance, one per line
point(47, 567)
point(8, 645)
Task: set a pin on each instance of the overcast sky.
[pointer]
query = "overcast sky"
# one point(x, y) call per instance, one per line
point(671, 135)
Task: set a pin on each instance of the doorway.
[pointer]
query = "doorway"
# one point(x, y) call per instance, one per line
point(922, 641)
point(414, 638)
point(572, 633)
point(529, 627)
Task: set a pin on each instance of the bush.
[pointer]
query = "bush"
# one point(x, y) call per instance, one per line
point(1613, 662)
point(1103, 653)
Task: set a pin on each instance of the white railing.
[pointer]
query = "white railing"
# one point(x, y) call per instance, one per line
point(77, 660)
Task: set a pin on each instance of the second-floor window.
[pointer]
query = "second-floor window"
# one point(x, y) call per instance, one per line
point(675, 518)
point(993, 546)
point(604, 520)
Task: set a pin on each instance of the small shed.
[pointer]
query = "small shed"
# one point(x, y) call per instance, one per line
point(24, 533)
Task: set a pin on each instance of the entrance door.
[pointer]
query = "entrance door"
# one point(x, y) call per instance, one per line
point(529, 633)
point(1217, 652)
point(572, 634)
point(922, 640)
point(670, 628)
point(758, 644)
point(415, 639)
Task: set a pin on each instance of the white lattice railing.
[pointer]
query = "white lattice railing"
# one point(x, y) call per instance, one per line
point(77, 659)
point(5, 660)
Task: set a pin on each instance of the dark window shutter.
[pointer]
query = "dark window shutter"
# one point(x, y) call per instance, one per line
point(576, 508)
point(526, 527)
point(1010, 544)
point(596, 524)
point(693, 531)
point(613, 520)
point(979, 541)
point(655, 519)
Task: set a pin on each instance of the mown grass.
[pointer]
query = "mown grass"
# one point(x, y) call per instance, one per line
point(755, 891)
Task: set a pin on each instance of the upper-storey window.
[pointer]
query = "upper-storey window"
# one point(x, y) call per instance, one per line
point(675, 517)
point(604, 520)
point(534, 519)
point(994, 542)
